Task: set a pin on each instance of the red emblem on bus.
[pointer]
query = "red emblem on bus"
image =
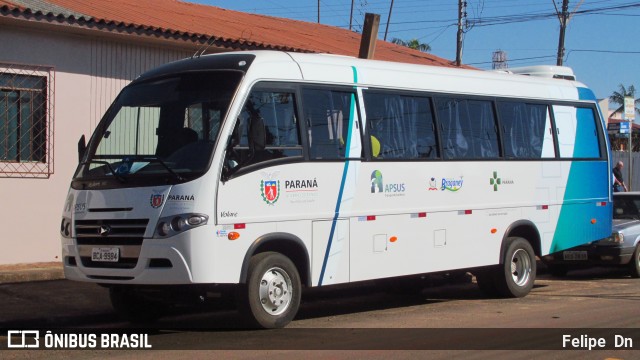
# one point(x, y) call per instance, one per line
point(157, 200)
point(270, 190)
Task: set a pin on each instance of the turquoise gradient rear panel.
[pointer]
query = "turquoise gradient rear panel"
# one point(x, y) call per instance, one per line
point(585, 200)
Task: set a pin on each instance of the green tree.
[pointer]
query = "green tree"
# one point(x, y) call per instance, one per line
point(414, 44)
point(618, 98)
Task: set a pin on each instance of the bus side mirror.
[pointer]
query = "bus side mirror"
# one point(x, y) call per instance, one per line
point(82, 147)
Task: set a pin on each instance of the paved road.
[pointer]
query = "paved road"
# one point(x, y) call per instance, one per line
point(356, 318)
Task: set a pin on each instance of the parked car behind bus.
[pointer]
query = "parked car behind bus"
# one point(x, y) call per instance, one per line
point(622, 248)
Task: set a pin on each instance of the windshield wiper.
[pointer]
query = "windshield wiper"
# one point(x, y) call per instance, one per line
point(159, 161)
point(120, 178)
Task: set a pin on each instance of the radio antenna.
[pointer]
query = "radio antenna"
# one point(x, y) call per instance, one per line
point(200, 51)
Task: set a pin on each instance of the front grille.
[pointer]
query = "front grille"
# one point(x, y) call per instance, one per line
point(127, 234)
point(111, 232)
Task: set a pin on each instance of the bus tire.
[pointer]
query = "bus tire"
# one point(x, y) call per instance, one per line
point(517, 273)
point(271, 296)
point(134, 308)
point(634, 264)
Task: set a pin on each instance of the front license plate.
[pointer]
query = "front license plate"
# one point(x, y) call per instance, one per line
point(105, 254)
point(574, 255)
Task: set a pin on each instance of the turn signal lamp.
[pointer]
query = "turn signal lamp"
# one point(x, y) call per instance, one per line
point(233, 235)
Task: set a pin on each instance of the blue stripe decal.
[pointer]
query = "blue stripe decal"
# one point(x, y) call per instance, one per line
point(342, 182)
point(586, 94)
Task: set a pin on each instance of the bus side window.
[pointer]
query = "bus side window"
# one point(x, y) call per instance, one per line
point(468, 128)
point(266, 129)
point(400, 126)
point(526, 130)
point(327, 113)
point(577, 132)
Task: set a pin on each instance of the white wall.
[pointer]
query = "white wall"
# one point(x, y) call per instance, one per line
point(89, 73)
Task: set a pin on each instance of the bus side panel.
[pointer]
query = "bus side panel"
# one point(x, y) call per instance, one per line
point(586, 214)
point(290, 194)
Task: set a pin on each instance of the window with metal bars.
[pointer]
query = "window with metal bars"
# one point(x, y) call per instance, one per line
point(25, 122)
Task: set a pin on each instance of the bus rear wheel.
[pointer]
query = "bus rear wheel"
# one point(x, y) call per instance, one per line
point(517, 273)
point(271, 296)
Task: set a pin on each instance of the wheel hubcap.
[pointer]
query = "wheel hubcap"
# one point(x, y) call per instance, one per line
point(520, 267)
point(275, 291)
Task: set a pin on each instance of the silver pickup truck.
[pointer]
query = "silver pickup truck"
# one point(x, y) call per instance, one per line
point(622, 248)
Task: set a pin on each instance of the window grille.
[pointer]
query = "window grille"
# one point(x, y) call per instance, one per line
point(26, 121)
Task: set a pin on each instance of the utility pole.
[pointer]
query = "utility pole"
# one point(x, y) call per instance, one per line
point(461, 5)
point(564, 19)
point(318, 11)
point(351, 16)
point(388, 21)
point(369, 36)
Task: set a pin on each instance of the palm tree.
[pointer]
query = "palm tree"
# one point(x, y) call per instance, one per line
point(618, 98)
point(414, 44)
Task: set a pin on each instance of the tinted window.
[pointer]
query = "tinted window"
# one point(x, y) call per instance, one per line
point(577, 132)
point(327, 114)
point(267, 129)
point(468, 129)
point(400, 127)
point(526, 130)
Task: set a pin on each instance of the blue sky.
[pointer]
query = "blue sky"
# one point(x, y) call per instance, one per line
point(602, 38)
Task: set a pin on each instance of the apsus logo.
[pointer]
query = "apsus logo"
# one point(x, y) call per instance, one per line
point(156, 200)
point(451, 184)
point(394, 188)
point(377, 185)
point(376, 182)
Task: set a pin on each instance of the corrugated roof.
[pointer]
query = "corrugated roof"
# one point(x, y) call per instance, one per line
point(227, 28)
point(46, 7)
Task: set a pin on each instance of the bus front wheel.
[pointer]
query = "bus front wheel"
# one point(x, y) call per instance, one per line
point(271, 296)
point(518, 271)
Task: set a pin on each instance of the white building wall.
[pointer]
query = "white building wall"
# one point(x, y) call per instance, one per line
point(89, 73)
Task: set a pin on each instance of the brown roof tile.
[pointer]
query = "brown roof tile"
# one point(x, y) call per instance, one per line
point(172, 17)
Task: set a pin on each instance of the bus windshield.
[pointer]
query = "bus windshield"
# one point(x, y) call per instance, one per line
point(160, 131)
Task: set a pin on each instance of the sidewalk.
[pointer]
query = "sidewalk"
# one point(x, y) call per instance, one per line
point(14, 273)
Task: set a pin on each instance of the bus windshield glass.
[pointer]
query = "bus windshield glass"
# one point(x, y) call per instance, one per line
point(160, 131)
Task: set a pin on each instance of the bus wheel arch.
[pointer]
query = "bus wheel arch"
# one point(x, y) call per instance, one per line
point(515, 273)
point(523, 229)
point(286, 244)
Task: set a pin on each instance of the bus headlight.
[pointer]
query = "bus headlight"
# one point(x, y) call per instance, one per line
point(172, 225)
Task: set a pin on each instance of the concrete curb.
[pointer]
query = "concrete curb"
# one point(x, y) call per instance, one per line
point(31, 272)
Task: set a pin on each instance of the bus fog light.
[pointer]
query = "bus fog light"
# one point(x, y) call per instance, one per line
point(606, 258)
point(164, 229)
